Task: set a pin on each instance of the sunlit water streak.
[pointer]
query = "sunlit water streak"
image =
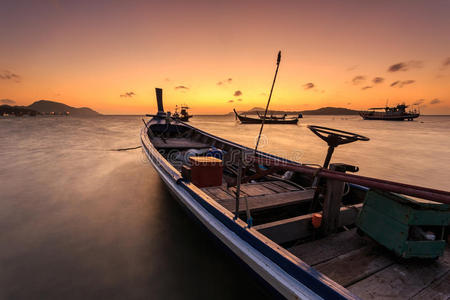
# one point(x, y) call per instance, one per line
point(78, 220)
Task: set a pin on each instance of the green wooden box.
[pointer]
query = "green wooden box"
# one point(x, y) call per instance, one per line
point(390, 219)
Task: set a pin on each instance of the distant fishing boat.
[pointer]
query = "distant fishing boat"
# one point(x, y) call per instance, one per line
point(183, 115)
point(397, 113)
point(295, 226)
point(267, 119)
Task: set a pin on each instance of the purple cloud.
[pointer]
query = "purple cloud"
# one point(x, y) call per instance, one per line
point(127, 95)
point(7, 75)
point(377, 80)
point(308, 85)
point(435, 101)
point(7, 101)
point(401, 84)
point(405, 66)
point(358, 79)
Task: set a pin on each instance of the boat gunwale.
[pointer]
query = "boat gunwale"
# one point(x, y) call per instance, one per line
point(289, 263)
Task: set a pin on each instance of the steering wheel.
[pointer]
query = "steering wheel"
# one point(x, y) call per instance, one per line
point(335, 137)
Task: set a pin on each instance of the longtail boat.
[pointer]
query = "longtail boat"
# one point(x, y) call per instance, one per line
point(306, 232)
point(267, 119)
point(183, 115)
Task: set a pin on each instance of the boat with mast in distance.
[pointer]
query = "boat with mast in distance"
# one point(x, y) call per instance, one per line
point(183, 115)
point(397, 113)
point(267, 120)
point(306, 232)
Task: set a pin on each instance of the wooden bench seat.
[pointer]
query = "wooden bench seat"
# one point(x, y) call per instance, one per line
point(259, 195)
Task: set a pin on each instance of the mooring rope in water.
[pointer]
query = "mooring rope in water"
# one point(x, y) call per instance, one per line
point(126, 149)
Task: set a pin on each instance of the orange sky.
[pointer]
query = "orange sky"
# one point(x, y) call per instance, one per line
point(89, 53)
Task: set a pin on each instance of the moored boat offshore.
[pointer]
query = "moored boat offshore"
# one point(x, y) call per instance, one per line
point(183, 115)
point(267, 119)
point(306, 233)
point(397, 113)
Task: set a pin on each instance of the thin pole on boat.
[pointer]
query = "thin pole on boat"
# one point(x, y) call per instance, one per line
point(268, 101)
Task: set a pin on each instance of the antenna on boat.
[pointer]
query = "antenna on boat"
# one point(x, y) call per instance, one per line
point(268, 101)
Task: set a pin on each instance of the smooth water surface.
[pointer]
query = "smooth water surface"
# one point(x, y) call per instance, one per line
point(79, 219)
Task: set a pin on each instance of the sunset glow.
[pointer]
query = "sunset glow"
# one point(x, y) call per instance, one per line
point(110, 55)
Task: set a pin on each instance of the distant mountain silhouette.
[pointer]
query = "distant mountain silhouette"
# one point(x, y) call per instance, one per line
point(257, 109)
point(47, 106)
point(320, 111)
point(330, 111)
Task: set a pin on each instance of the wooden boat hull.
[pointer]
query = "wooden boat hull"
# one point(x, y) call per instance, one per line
point(185, 118)
point(248, 120)
point(285, 273)
point(387, 117)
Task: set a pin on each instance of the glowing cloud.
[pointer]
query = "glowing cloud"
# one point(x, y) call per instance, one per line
point(446, 63)
point(405, 66)
point(400, 84)
point(7, 75)
point(127, 95)
point(435, 101)
point(308, 85)
point(418, 102)
point(358, 79)
point(377, 80)
point(7, 101)
point(228, 80)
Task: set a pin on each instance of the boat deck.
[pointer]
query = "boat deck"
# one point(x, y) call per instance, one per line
point(177, 143)
point(372, 272)
point(260, 195)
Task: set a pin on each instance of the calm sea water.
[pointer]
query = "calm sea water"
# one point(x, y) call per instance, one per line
point(81, 220)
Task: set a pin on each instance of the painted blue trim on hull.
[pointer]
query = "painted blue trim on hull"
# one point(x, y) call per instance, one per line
point(265, 285)
point(304, 274)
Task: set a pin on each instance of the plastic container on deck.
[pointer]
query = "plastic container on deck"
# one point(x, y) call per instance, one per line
point(206, 171)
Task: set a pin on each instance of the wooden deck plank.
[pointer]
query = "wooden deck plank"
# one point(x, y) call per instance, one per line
point(329, 247)
point(270, 201)
point(275, 187)
point(402, 280)
point(438, 290)
point(241, 193)
point(355, 265)
point(285, 185)
point(218, 193)
point(256, 190)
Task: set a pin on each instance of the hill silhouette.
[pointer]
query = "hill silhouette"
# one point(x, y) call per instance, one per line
point(47, 106)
